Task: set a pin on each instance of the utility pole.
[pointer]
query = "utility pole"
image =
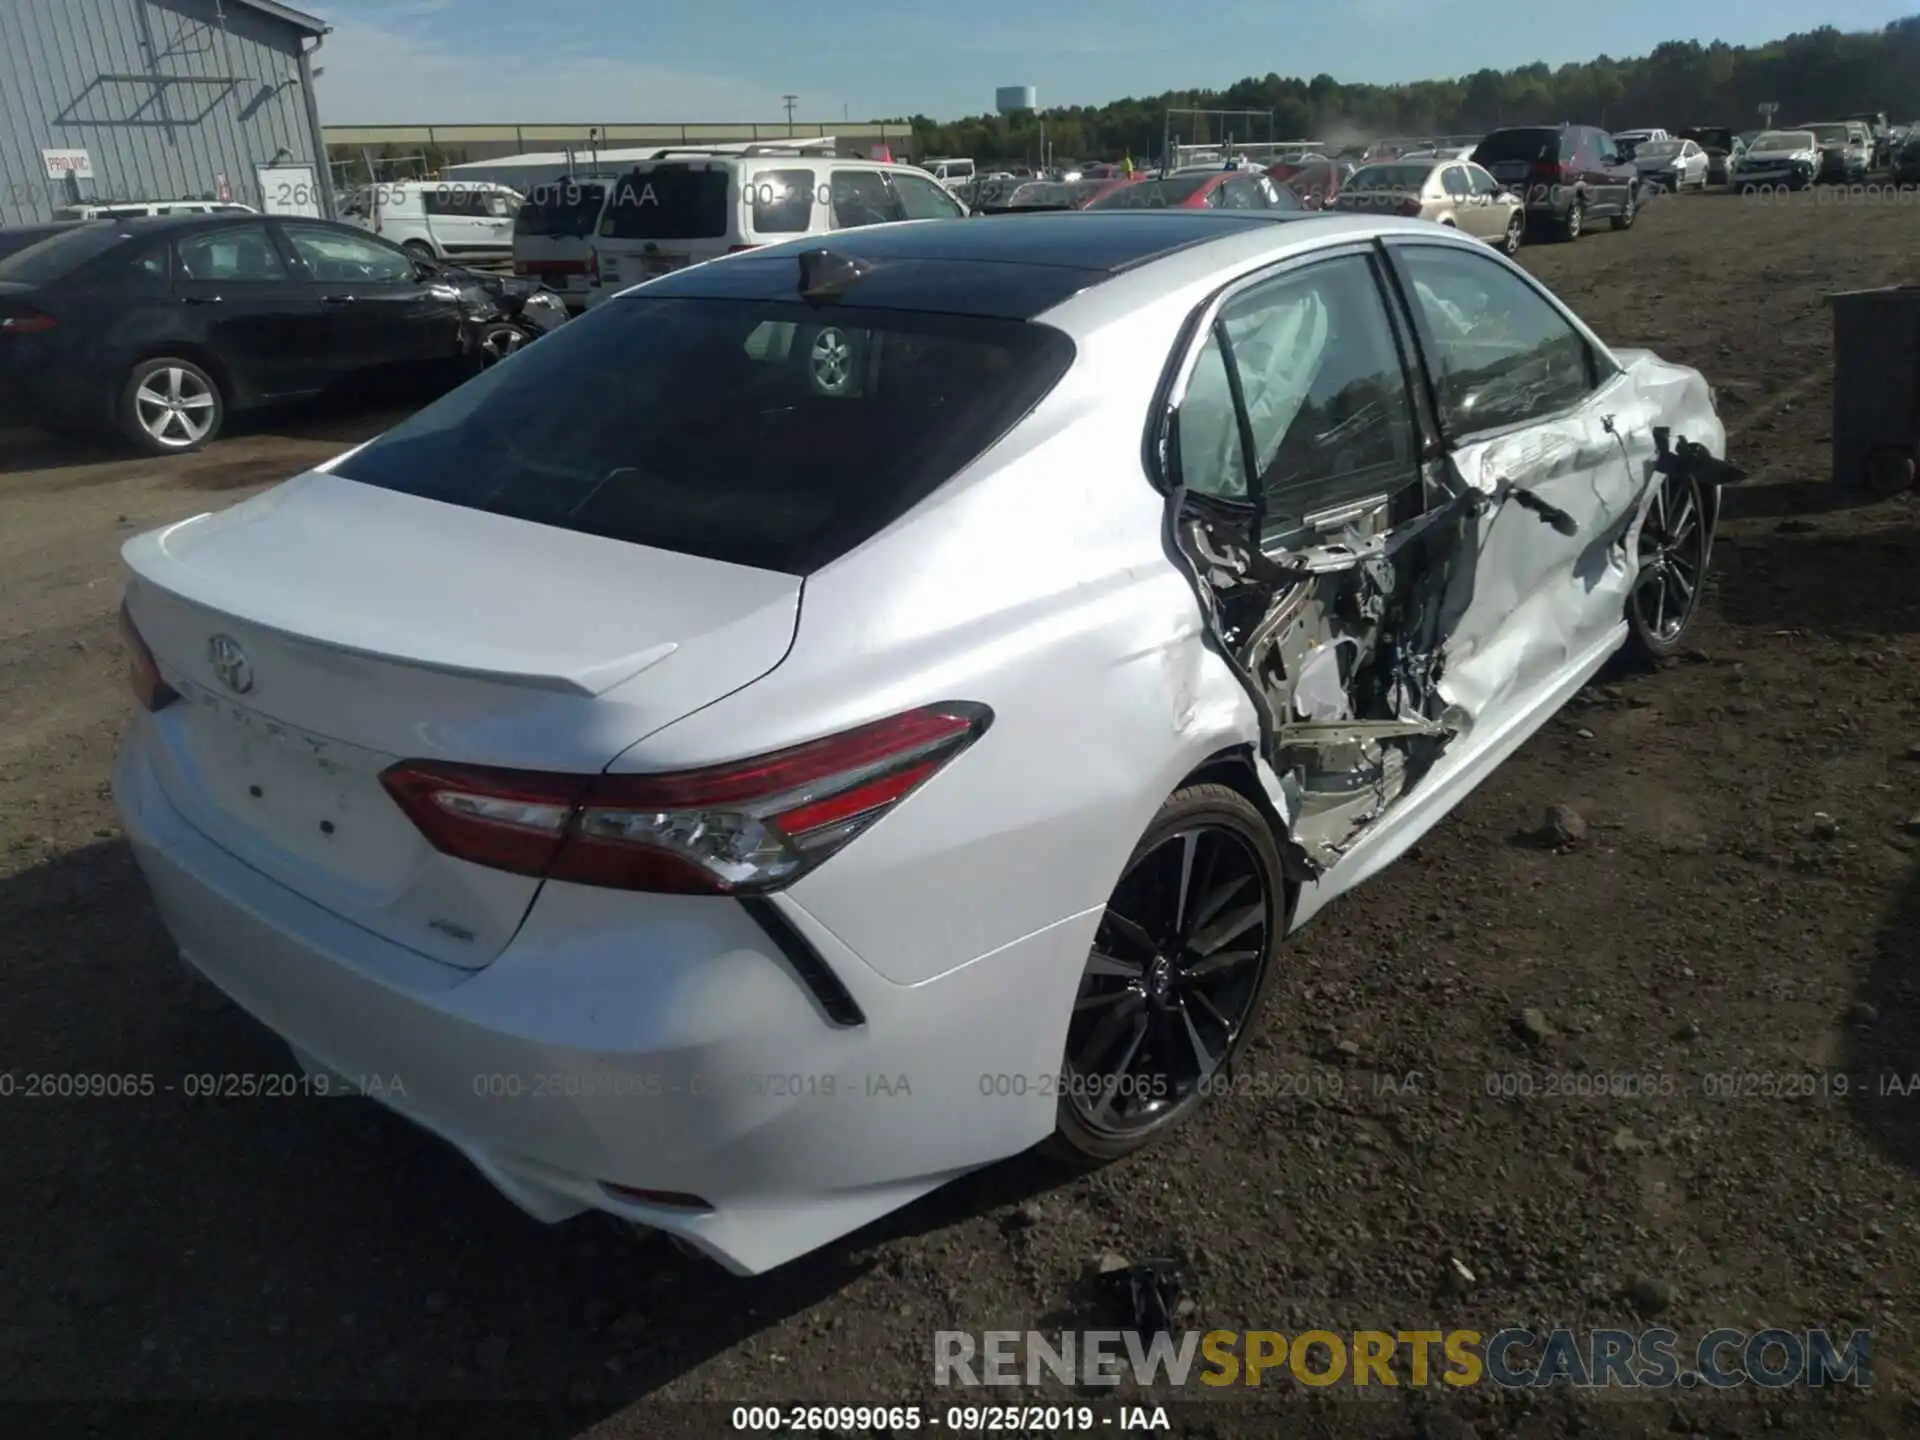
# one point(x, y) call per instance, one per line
point(789, 101)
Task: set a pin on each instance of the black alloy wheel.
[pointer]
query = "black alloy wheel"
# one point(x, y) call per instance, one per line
point(1675, 539)
point(1175, 978)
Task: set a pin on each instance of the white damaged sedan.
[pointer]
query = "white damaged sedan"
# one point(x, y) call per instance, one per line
point(831, 719)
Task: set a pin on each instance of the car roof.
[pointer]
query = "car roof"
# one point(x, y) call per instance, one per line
point(1022, 265)
point(1012, 267)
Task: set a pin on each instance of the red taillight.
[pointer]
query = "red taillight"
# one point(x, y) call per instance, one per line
point(31, 323)
point(1410, 207)
point(143, 675)
point(736, 249)
point(593, 267)
point(743, 828)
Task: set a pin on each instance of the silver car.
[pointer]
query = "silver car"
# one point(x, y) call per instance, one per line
point(833, 718)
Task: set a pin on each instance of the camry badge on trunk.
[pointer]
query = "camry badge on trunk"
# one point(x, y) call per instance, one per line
point(230, 663)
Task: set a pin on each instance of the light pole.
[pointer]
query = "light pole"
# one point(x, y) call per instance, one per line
point(789, 101)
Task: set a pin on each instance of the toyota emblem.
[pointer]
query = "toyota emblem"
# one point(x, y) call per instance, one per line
point(230, 663)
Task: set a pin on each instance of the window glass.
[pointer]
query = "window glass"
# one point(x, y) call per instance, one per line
point(924, 200)
point(1480, 182)
point(860, 197)
point(1207, 429)
point(151, 265)
point(336, 257)
point(769, 434)
point(782, 201)
point(562, 208)
point(1270, 196)
point(668, 202)
point(62, 253)
point(1499, 352)
point(1325, 396)
point(1454, 180)
point(241, 253)
point(453, 200)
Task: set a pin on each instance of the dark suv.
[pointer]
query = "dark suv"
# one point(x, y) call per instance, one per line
point(1569, 175)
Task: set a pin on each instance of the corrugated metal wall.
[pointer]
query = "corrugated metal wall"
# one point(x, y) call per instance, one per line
point(210, 100)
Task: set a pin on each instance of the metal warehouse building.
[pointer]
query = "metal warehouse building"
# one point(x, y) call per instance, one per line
point(158, 100)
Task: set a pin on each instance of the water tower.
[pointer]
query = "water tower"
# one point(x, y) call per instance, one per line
point(1012, 100)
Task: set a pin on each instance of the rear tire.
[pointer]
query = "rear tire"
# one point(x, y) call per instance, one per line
point(1624, 220)
point(1174, 984)
point(1574, 222)
point(170, 406)
point(419, 249)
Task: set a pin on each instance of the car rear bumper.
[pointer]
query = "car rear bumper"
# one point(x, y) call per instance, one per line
point(688, 1056)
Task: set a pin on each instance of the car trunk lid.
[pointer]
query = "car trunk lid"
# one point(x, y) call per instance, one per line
point(328, 629)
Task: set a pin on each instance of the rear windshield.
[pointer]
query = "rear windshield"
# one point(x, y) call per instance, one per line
point(13, 241)
point(668, 202)
point(1155, 194)
point(561, 208)
point(769, 434)
point(1829, 134)
point(1540, 143)
point(61, 254)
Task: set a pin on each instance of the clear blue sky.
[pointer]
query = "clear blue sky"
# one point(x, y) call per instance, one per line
point(413, 61)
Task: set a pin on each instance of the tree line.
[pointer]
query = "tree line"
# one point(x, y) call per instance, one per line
point(1823, 73)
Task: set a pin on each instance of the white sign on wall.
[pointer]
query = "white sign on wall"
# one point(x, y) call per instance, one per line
point(62, 163)
point(288, 189)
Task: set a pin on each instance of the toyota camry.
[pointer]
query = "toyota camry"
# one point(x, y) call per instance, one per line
point(838, 716)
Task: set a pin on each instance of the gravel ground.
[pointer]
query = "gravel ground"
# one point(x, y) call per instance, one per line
point(1741, 899)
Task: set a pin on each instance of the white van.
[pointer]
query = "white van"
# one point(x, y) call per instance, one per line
point(554, 229)
point(129, 209)
point(949, 172)
point(440, 219)
point(683, 207)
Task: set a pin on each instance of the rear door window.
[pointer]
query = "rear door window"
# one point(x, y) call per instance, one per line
point(861, 197)
point(669, 202)
point(781, 201)
point(239, 253)
point(762, 433)
point(1324, 393)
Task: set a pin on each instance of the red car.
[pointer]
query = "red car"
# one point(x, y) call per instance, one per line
point(1317, 182)
point(1201, 190)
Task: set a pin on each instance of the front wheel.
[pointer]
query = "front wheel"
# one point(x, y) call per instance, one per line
point(1173, 984)
point(170, 406)
point(1574, 223)
point(1624, 220)
point(1516, 233)
point(419, 249)
point(498, 340)
point(1676, 538)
